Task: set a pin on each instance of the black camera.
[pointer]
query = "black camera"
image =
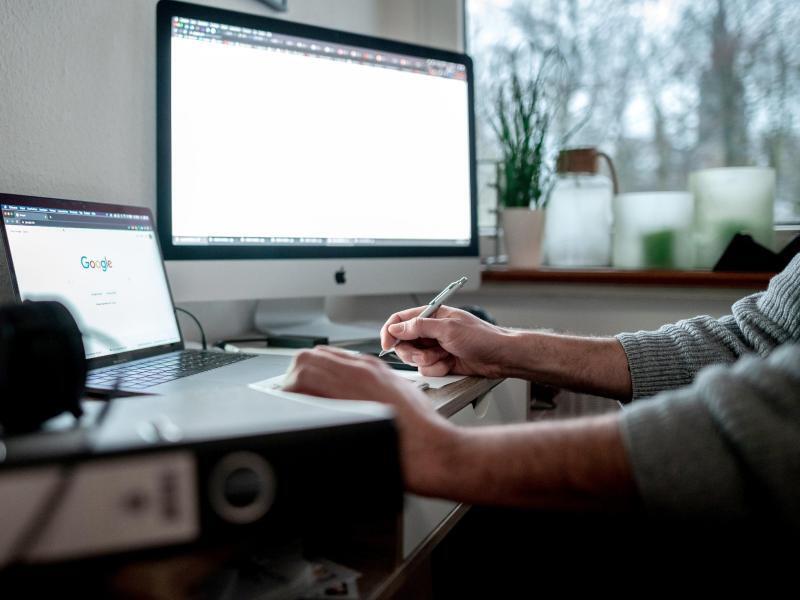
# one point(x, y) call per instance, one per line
point(42, 364)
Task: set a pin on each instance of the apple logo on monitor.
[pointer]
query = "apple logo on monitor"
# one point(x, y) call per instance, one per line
point(340, 276)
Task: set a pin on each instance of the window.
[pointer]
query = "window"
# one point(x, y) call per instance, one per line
point(663, 86)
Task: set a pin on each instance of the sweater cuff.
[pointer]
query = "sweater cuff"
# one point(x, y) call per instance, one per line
point(652, 363)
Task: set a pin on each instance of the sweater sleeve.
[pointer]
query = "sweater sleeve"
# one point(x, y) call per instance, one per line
point(671, 356)
point(726, 447)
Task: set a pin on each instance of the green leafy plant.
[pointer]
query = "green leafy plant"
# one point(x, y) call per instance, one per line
point(522, 119)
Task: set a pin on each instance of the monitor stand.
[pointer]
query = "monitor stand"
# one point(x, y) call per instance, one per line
point(306, 316)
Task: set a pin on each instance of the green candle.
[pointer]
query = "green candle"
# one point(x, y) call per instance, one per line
point(658, 249)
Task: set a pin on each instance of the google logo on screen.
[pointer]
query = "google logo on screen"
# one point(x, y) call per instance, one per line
point(104, 264)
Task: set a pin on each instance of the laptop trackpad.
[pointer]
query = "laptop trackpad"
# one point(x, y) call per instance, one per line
point(239, 373)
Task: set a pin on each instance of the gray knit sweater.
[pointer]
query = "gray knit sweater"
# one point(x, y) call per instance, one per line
point(728, 445)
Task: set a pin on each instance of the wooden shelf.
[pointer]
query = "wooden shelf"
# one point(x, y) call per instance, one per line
point(607, 276)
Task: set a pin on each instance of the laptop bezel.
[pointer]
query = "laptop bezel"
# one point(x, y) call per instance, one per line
point(44, 202)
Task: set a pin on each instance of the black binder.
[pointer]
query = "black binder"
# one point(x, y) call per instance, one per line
point(194, 468)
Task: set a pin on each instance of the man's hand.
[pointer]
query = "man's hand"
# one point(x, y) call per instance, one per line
point(454, 341)
point(426, 439)
point(458, 342)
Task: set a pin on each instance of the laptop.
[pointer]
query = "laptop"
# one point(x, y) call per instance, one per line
point(103, 262)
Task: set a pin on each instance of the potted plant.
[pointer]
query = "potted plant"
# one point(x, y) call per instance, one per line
point(522, 118)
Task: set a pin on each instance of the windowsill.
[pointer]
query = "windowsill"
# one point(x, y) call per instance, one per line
point(609, 276)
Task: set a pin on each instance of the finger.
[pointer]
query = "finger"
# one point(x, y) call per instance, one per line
point(425, 357)
point(330, 360)
point(387, 341)
point(439, 369)
point(419, 328)
point(413, 354)
point(424, 343)
point(298, 360)
point(404, 351)
point(351, 358)
point(338, 352)
point(340, 357)
point(306, 379)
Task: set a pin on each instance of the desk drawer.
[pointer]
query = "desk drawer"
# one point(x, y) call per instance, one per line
point(506, 403)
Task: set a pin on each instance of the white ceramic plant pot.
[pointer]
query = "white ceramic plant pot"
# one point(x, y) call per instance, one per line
point(522, 231)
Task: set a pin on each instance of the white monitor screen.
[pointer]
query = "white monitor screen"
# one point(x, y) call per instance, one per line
point(280, 140)
point(105, 267)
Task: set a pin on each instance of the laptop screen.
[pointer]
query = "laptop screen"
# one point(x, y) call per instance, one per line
point(105, 267)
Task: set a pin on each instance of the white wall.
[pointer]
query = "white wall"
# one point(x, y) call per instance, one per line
point(428, 22)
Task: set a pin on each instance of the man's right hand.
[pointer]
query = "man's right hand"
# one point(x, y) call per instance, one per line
point(453, 341)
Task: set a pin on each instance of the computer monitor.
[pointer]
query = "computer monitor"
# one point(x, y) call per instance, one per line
point(296, 161)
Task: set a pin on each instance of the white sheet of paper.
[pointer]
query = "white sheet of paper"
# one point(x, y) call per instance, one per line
point(433, 383)
point(274, 387)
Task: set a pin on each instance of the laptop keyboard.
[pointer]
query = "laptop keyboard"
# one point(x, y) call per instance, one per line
point(146, 373)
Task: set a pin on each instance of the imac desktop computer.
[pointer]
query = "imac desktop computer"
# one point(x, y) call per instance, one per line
point(297, 163)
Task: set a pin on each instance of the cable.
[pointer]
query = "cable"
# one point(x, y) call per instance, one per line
point(200, 327)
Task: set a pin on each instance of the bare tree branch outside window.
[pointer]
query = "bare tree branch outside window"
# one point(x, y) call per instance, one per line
point(671, 85)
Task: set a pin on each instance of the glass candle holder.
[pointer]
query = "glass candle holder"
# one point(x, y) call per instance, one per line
point(578, 224)
point(728, 201)
point(653, 230)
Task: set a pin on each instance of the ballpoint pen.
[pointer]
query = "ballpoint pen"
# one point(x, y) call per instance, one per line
point(433, 306)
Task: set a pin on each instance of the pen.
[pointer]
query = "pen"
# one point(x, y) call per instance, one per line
point(434, 305)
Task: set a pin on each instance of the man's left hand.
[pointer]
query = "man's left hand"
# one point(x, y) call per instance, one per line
point(426, 438)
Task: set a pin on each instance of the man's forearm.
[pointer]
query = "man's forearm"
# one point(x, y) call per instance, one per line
point(578, 464)
point(592, 365)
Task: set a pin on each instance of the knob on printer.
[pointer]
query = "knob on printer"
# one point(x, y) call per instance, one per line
point(242, 487)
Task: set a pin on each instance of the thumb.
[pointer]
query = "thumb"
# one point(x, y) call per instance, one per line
point(418, 328)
